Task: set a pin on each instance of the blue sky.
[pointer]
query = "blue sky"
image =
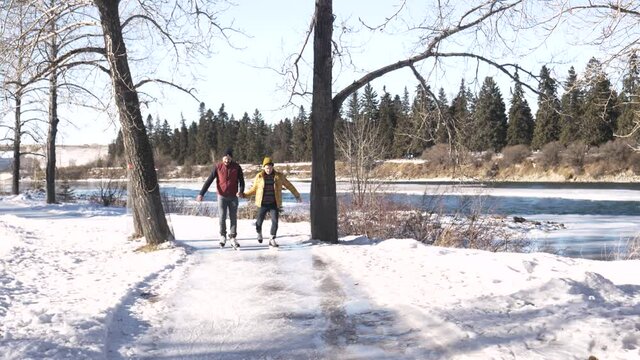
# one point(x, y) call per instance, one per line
point(240, 77)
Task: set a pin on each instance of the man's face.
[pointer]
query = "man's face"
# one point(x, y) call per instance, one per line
point(268, 168)
point(226, 159)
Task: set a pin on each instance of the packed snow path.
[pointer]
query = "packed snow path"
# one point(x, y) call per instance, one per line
point(260, 303)
point(72, 287)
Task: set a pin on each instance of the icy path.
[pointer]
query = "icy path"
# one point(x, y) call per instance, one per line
point(257, 303)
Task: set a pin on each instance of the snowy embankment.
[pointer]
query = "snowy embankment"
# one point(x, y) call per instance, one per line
point(72, 287)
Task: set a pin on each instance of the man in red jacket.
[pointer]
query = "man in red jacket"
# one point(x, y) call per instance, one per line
point(229, 186)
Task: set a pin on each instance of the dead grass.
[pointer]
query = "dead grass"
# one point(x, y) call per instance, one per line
point(382, 219)
point(626, 249)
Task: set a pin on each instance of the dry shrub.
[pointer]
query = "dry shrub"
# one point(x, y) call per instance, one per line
point(598, 170)
point(393, 170)
point(73, 172)
point(516, 154)
point(633, 248)
point(634, 163)
point(575, 155)
point(375, 218)
point(628, 249)
point(248, 211)
point(439, 155)
point(110, 193)
point(295, 216)
point(422, 226)
point(186, 171)
point(163, 163)
point(381, 219)
point(187, 206)
point(176, 205)
point(551, 154)
point(617, 152)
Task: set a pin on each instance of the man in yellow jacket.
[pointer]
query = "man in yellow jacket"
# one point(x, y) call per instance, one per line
point(267, 187)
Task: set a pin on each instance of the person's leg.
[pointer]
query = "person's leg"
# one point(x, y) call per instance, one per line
point(274, 220)
point(273, 210)
point(262, 212)
point(222, 219)
point(233, 217)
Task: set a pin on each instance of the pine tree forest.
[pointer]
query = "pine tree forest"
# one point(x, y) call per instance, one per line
point(589, 111)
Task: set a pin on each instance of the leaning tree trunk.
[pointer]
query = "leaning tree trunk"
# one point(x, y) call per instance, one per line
point(50, 173)
point(324, 209)
point(15, 170)
point(137, 225)
point(147, 204)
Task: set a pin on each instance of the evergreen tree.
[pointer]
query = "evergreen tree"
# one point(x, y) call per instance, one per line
point(520, 126)
point(202, 153)
point(116, 151)
point(399, 144)
point(175, 146)
point(231, 132)
point(258, 147)
point(461, 115)
point(629, 100)
point(402, 131)
point(423, 121)
point(489, 118)
point(192, 134)
point(354, 107)
point(571, 104)
point(369, 106)
point(445, 132)
point(202, 110)
point(181, 147)
point(547, 127)
point(388, 118)
point(600, 106)
point(157, 128)
point(212, 133)
point(281, 137)
point(149, 127)
point(164, 139)
point(301, 136)
point(245, 139)
point(222, 129)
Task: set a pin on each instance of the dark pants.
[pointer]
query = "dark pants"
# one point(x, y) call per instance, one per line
point(230, 204)
point(272, 209)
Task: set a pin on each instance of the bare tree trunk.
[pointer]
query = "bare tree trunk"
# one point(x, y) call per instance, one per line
point(147, 203)
point(137, 226)
point(324, 209)
point(50, 173)
point(15, 182)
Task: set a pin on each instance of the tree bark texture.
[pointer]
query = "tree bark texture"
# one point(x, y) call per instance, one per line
point(147, 204)
point(324, 209)
point(15, 170)
point(50, 173)
point(137, 224)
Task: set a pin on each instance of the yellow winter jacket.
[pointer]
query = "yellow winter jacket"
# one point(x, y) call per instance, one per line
point(280, 182)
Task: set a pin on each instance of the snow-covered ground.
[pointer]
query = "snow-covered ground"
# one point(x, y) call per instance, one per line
point(73, 287)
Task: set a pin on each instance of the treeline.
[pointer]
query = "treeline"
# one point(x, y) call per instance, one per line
point(589, 111)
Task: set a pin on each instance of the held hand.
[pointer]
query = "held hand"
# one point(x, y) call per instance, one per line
point(240, 195)
point(199, 198)
point(299, 199)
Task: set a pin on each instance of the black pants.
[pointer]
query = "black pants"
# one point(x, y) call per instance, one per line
point(272, 209)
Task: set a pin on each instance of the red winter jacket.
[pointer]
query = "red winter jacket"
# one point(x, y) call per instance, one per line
point(230, 179)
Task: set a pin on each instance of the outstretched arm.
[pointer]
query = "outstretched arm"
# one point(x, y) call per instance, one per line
point(207, 183)
point(254, 187)
point(291, 188)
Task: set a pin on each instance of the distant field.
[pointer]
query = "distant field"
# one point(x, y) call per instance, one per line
point(66, 155)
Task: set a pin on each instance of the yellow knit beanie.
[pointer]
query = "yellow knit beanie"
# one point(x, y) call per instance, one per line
point(267, 161)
